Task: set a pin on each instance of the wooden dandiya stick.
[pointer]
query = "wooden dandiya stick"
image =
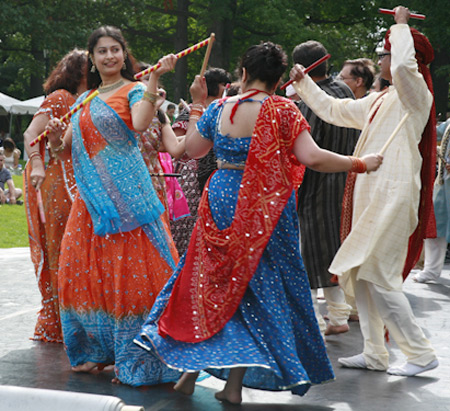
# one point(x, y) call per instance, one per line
point(308, 69)
point(412, 15)
point(40, 204)
point(66, 116)
point(165, 175)
point(394, 133)
point(185, 105)
point(183, 53)
point(212, 38)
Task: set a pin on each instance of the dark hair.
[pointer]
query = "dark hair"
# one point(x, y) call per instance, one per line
point(94, 79)
point(307, 53)
point(171, 106)
point(265, 62)
point(9, 144)
point(383, 82)
point(234, 89)
point(364, 68)
point(215, 76)
point(68, 73)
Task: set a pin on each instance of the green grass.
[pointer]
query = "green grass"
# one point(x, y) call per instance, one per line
point(13, 222)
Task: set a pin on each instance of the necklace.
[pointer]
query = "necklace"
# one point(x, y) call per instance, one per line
point(113, 86)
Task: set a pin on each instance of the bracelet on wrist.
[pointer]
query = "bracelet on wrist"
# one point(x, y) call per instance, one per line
point(358, 165)
point(150, 97)
point(196, 112)
point(59, 149)
point(34, 154)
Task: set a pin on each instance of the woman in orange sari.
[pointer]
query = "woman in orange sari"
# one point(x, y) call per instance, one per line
point(117, 253)
point(57, 187)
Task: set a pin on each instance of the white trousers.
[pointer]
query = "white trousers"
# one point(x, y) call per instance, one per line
point(338, 309)
point(435, 251)
point(378, 306)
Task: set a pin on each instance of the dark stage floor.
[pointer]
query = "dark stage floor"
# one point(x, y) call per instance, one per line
point(25, 363)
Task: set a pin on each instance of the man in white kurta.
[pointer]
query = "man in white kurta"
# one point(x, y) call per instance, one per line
point(385, 203)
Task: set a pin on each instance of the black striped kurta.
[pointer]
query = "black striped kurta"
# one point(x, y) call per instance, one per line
point(320, 194)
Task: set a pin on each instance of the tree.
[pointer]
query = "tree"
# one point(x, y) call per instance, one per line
point(35, 34)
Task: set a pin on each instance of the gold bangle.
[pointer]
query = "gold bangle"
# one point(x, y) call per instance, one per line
point(58, 149)
point(150, 97)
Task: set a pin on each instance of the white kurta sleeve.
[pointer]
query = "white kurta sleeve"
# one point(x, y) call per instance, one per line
point(340, 112)
point(409, 83)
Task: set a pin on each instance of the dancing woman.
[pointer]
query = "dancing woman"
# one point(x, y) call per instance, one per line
point(239, 304)
point(57, 186)
point(116, 254)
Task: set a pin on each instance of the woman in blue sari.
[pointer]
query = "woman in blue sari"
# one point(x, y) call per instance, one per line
point(239, 304)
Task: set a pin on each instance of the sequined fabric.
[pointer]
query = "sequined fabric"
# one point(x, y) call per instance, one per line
point(182, 228)
point(57, 191)
point(274, 331)
point(149, 144)
point(108, 284)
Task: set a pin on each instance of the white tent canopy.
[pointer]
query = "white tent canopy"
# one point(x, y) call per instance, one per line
point(5, 103)
point(28, 106)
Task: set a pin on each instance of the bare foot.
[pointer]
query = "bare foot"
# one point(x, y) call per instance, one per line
point(186, 383)
point(86, 367)
point(353, 317)
point(105, 367)
point(336, 329)
point(229, 396)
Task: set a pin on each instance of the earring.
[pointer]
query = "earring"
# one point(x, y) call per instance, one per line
point(125, 56)
point(93, 65)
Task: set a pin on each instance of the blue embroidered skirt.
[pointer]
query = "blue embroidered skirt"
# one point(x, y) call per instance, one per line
point(274, 332)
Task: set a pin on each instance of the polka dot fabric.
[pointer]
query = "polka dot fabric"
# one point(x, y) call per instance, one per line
point(274, 331)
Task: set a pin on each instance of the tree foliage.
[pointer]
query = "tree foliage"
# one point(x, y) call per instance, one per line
point(35, 34)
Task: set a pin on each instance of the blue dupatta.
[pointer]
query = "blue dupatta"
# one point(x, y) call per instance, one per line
point(114, 183)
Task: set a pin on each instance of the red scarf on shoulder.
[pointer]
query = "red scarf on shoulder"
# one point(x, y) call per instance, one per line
point(219, 264)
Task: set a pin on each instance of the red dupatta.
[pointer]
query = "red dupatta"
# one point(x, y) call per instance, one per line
point(220, 263)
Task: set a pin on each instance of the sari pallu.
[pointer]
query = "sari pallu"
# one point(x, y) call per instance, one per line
point(219, 264)
point(116, 254)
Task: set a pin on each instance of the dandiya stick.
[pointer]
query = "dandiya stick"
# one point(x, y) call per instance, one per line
point(185, 105)
point(40, 204)
point(225, 91)
point(212, 38)
point(183, 53)
point(308, 69)
point(394, 133)
point(412, 15)
point(66, 116)
point(165, 175)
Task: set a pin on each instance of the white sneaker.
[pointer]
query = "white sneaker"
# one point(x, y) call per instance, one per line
point(425, 277)
point(410, 370)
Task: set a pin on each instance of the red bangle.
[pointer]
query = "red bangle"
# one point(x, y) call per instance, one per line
point(196, 112)
point(358, 165)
